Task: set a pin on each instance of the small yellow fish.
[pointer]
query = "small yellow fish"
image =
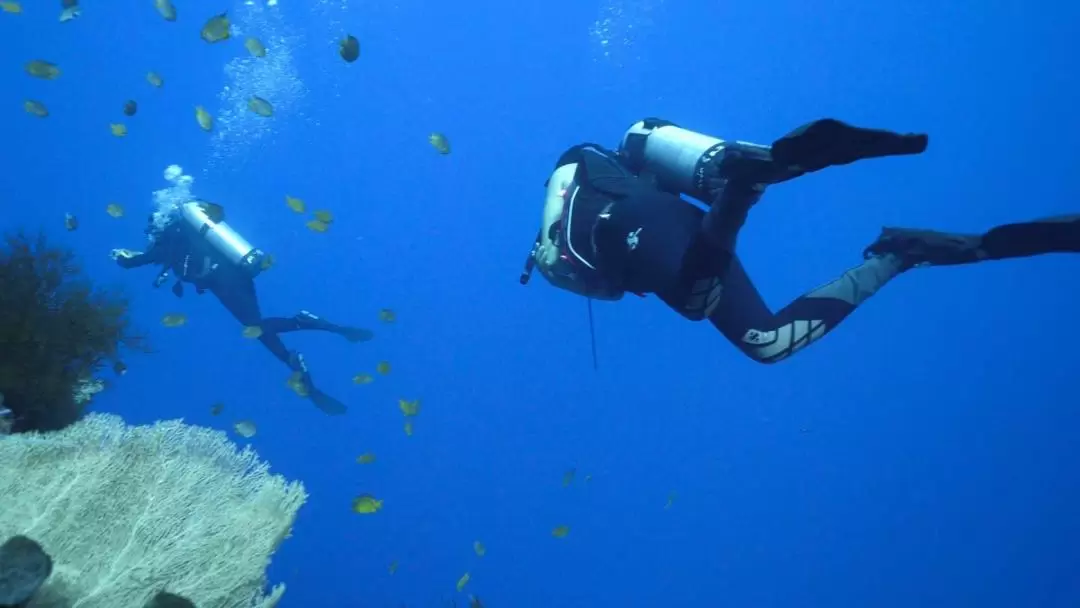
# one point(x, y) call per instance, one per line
point(297, 384)
point(11, 7)
point(155, 79)
point(252, 331)
point(464, 580)
point(366, 504)
point(560, 531)
point(479, 548)
point(267, 262)
point(324, 216)
point(317, 226)
point(255, 47)
point(439, 142)
point(260, 106)
point(474, 602)
point(42, 69)
point(671, 500)
point(363, 378)
point(118, 129)
point(36, 108)
point(294, 203)
point(387, 316)
point(166, 9)
point(217, 408)
point(349, 48)
point(409, 408)
point(114, 209)
point(383, 367)
point(245, 428)
point(366, 458)
point(130, 107)
point(408, 428)
point(392, 568)
point(568, 477)
point(71, 222)
point(205, 120)
point(174, 319)
point(216, 29)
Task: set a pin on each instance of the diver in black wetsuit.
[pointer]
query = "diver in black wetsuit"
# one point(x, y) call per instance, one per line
point(198, 247)
point(614, 223)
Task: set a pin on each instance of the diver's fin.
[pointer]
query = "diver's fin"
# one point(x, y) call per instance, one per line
point(326, 403)
point(356, 334)
point(829, 142)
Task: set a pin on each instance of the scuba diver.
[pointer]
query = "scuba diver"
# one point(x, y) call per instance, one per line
point(614, 222)
point(196, 245)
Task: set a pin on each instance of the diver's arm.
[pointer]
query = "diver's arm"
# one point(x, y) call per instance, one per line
point(127, 259)
point(547, 253)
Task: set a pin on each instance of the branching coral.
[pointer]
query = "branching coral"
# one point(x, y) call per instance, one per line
point(57, 329)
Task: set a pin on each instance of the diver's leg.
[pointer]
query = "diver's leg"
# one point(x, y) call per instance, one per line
point(1024, 239)
point(239, 298)
point(305, 320)
point(746, 321)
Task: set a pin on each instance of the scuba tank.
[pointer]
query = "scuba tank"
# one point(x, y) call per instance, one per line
point(681, 159)
point(221, 237)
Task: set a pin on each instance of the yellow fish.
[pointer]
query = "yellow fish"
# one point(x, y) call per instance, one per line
point(409, 408)
point(387, 316)
point(479, 548)
point(464, 580)
point(216, 29)
point(245, 428)
point(294, 203)
point(267, 261)
point(255, 47)
point(174, 319)
point(296, 383)
point(363, 378)
point(36, 108)
point(439, 142)
point(42, 69)
point(392, 568)
point(408, 428)
point(205, 120)
point(166, 9)
point(560, 531)
point(366, 458)
point(118, 129)
point(252, 331)
point(11, 7)
point(317, 226)
point(114, 209)
point(154, 79)
point(383, 367)
point(217, 408)
point(671, 500)
point(366, 504)
point(568, 477)
point(260, 106)
point(324, 216)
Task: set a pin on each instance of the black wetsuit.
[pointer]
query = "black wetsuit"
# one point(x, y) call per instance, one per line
point(191, 260)
point(645, 240)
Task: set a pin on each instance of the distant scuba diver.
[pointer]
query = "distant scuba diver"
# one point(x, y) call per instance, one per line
point(195, 244)
point(614, 222)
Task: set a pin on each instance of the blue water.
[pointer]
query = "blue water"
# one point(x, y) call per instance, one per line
point(924, 454)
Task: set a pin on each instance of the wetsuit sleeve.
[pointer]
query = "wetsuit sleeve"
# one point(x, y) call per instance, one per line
point(137, 260)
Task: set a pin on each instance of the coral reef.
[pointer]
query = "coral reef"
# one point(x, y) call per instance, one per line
point(57, 329)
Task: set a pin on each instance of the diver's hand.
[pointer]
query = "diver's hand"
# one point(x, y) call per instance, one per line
point(125, 254)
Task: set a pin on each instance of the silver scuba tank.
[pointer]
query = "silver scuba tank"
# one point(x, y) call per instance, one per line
point(222, 238)
point(678, 157)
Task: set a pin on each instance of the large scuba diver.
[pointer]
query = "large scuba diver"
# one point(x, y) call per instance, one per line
point(195, 245)
point(614, 222)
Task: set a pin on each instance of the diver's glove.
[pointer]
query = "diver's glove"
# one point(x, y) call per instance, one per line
point(118, 254)
point(829, 142)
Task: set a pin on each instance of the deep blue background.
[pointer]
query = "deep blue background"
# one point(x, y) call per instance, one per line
point(924, 454)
